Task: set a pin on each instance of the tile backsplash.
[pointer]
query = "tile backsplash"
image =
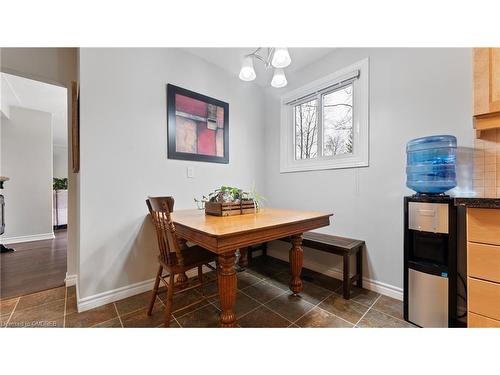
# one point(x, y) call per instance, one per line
point(487, 164)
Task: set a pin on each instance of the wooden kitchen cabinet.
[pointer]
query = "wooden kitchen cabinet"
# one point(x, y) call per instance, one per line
point(486, 88)
point(483, 267)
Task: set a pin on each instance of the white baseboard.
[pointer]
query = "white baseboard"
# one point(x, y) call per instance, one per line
point(34, 237)
point(109, 296)
point(374, 285)
point(70, 279)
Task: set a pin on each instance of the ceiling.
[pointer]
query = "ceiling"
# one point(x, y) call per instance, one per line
point(230, 59)
point(27, 93)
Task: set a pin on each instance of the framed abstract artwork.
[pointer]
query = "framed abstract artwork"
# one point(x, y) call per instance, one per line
point(198, 126)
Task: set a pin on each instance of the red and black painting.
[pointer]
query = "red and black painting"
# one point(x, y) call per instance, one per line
point(198, 126)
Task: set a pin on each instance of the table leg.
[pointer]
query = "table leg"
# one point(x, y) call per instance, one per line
point(181, 281)
point(243, 262)
point(226, 278)
point(296, 260)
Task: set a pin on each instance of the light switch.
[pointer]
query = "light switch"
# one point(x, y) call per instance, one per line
point(190, 172)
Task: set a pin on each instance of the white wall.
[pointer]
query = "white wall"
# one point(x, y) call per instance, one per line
point(27, 161)
point(60, 161)
point(413, 93)
point(124, 155)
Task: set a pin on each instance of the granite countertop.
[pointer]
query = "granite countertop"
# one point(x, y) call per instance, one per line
point(3, 178)
point(477, 202)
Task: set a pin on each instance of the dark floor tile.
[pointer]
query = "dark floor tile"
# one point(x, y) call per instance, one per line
point(206, 317)
point(130, 304)
point(71, 291)
point(210, 288)
point(113, 323)
point(389, 306)
point(269, 267)
point(264, 271)
point(140, 319)
point(263, 292)
point(324, 281)
point(314, 294)
point(255, 273)
point(263, 318)
point(346, 309)
point(173, 324)
point(246, 279)
point(290, 306)
point(364, 296)
point(49, 315)
point(243, 304)
point(4, 319)
point(318, 318)
point(377, 319)
point(280, 280)
point(7, 305)
point(41, 298)
point(71, 305)
point(92, 317)
point(184, 299)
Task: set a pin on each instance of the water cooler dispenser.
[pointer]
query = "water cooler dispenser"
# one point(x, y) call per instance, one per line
point(434, 257)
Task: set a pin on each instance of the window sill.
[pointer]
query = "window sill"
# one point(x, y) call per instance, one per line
point(317, 165)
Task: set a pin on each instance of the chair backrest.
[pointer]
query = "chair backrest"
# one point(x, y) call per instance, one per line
point(160, 209)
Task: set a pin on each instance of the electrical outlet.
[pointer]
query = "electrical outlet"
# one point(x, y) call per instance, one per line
point(190, 172)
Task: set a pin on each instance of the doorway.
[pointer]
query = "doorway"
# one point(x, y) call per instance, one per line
point(34, 158)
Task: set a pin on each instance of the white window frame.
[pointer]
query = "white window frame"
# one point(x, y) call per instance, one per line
point(360, 155)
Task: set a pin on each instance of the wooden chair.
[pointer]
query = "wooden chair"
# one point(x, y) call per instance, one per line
point(175, 256)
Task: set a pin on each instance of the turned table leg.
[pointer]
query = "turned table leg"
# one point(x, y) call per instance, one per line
point(181, 281)
point(226, 278)
point(296, 260)
point(243, 261)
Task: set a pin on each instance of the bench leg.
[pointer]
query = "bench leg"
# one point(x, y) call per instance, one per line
point(359, 267)
point(264, 249)
point(346, 285)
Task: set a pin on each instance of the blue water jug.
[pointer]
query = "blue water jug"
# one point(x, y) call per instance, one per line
point(431, 161)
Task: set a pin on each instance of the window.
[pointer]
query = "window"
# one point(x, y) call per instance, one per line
point(324, 125)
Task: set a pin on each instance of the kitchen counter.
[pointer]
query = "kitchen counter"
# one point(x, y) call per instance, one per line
point(478, 202)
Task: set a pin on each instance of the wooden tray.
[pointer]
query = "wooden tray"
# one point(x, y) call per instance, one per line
point(229, 208)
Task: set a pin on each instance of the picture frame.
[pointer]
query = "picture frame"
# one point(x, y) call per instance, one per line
point(75, 127)
point(197, 126)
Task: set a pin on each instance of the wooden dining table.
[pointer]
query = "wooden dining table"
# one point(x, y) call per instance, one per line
point(224, 235)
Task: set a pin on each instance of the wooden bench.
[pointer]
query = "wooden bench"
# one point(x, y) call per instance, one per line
point(344, 247)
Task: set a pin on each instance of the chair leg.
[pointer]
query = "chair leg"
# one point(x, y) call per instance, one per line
point(170, 298)
point(200, 279)
point(155, 290)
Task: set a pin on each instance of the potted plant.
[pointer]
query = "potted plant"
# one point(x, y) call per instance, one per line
point(60, 202)
point(229, 200)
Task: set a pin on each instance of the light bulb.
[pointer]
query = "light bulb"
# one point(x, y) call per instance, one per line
point(247, 72)
point(281, 58)
point(279, 78)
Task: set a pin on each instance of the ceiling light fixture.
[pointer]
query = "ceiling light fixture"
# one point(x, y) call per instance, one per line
point(281, 58)
point(279, 78)
point(278, 58)
point(247, 72)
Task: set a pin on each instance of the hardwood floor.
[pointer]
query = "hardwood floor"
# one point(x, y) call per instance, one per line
point(34, 266)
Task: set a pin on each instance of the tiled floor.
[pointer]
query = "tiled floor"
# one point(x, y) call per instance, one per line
point(263, 300)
